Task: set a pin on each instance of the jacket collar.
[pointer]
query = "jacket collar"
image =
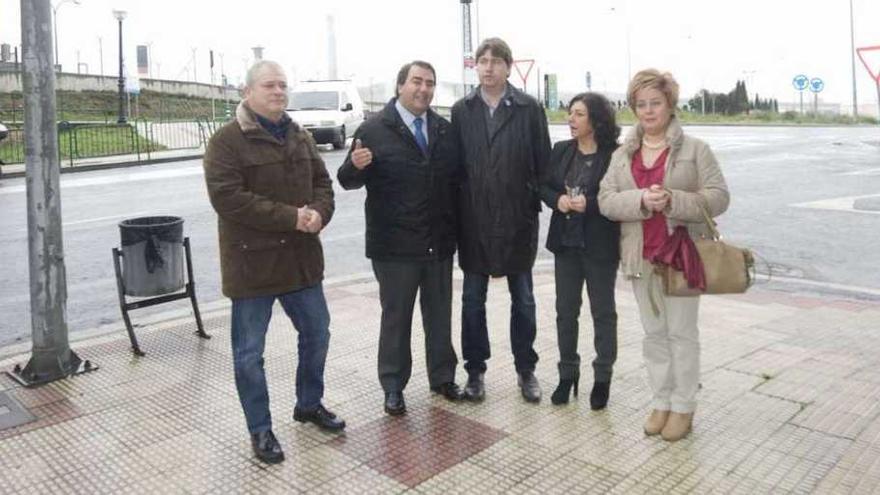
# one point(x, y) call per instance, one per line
point(513, 96)
point(674, 136)
point(391, 116)
point(247, 120)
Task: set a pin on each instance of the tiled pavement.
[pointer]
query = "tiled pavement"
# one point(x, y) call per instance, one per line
point(790, 402)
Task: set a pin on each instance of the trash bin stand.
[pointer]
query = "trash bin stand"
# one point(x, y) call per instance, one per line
point(189, 292)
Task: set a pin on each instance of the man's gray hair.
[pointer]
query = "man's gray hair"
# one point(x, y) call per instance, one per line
point(251, 77)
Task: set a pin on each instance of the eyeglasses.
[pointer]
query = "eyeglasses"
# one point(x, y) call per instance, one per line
point(644, 105)
point(490, 61)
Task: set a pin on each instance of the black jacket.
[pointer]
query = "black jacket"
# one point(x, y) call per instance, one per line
point(601, 237)
point(499, 200)
point(410, 206)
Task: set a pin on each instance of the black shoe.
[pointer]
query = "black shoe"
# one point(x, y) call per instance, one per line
point(599, 395)
point(475, 388)
point(320, 416)
point(529, 386)
point(266, 447)
point(450, 390)
point(560, 395)
point(394, 403)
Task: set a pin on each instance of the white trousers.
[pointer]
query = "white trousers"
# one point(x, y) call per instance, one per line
point(672, 345)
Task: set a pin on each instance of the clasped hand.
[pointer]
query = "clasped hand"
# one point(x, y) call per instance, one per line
point(655, 198)
point(308, 220)
point(568, 203)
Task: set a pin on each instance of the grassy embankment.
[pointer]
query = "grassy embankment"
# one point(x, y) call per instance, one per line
point(101, 107)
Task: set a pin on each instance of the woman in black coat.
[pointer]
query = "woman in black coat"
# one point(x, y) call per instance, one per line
point(584, 243)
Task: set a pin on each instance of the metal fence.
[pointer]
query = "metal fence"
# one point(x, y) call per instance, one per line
point(141, 139)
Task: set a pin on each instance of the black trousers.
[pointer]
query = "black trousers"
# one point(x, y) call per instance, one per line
point(399, 281)
point(573, 268)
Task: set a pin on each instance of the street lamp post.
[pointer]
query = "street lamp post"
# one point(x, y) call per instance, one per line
point(120, 15)
point(55, 24)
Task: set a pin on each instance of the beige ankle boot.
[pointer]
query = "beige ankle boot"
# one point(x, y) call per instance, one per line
point(677, 426)
point(656, 422)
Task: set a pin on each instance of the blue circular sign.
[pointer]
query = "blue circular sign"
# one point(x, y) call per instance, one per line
point(800, 82)
point(816, 85)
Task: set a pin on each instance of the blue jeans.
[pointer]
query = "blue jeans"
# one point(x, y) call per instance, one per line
point(307, 309)
point(523, 324)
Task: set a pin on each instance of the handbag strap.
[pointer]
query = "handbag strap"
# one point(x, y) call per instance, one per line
point(713, 227)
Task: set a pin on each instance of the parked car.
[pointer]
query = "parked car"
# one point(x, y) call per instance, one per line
point(331, 110)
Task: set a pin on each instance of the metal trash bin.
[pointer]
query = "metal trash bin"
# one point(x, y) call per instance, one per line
point(152, 255)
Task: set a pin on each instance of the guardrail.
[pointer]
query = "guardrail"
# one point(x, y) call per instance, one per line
point(78, 141)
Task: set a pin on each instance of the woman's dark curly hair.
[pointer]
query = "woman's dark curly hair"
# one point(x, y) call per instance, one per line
point(602, 118)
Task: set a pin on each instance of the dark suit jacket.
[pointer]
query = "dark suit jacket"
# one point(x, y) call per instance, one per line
point(410, 206)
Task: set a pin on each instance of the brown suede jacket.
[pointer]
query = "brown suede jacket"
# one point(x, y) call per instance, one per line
point(256, 183)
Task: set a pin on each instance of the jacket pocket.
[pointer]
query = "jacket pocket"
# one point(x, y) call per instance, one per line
point(259, 261)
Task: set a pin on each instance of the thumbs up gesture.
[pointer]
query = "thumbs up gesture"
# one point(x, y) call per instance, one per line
point(361, 156)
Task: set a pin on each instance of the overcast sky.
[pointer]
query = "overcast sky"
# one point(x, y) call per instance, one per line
point(704, 43)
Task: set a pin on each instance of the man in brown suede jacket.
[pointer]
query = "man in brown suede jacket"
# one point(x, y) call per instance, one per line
point(272, 195)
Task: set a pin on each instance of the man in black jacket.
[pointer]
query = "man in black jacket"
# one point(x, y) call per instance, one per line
point(505, 148)
point(407, 157)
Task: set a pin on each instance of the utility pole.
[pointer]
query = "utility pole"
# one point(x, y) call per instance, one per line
point(467, 46)
point(51, 356)
point(852, 54)
point(195, 77)
point(101, 53)
point(213, 113)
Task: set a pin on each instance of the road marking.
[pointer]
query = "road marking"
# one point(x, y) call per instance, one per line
point(93, 220)
point(846, 203)
point(870, 171)
point(114, 179)
point(101, 219)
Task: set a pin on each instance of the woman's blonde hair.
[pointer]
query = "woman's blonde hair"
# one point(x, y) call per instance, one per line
point(653, 78)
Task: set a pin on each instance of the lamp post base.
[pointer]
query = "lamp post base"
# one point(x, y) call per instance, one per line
point(46, 367)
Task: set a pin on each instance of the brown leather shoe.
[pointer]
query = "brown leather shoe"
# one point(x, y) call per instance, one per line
point(677, 426)
point(656, 421)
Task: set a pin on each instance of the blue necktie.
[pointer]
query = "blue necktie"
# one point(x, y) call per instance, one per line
point(420, 136)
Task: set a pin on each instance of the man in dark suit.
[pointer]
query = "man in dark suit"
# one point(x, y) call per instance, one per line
point(407, 158)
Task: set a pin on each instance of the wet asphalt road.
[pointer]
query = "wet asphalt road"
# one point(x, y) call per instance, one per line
point(786, 184)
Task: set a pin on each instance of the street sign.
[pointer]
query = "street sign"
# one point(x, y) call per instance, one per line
point(800, 82)
point(816, 85)
point(528, 63)
point(550, 91)
point(865, 52)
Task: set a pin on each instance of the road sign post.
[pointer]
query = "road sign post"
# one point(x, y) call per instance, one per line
point(816, 86)
point(800, 83)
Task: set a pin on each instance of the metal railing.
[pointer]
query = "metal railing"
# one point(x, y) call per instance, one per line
point(87, 141)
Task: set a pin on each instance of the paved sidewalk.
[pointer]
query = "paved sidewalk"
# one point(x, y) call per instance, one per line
point(790, 402)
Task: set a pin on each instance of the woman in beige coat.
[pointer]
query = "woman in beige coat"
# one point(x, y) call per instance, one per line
point(658, 179)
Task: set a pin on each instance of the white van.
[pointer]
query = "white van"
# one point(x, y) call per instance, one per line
point(330, 110)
